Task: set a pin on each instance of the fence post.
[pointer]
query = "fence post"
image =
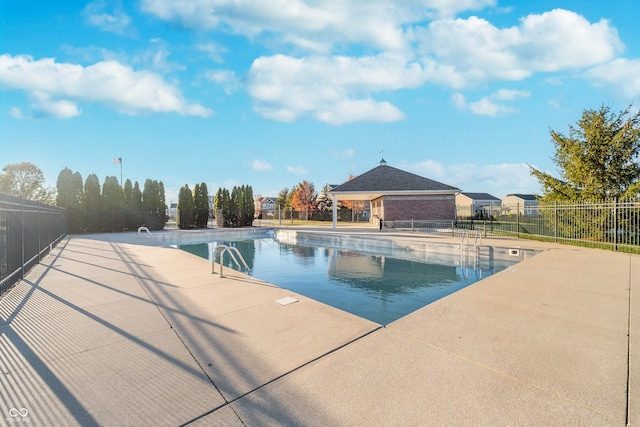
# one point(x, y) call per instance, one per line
point(555, 221)
point(39, 232)
point(615, 223)
point(22, 236)
point(518, 219)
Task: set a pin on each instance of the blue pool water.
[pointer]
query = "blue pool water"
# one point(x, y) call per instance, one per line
point(378, 288)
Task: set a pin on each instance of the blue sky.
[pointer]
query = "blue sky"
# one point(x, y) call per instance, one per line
point(233, 92)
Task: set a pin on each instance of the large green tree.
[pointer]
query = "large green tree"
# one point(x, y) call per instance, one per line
point(598, 159)
point(26, 180)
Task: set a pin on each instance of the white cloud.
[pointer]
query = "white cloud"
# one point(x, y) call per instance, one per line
point(225, 78)
point(417, 42)
point(311, 24)
point(16, 113)
point(298, 170)
point(622, 74)
point(496, 179)
point(57, 87)
point(490, 105)
point(61, 109)
point(462, 52)
point(344, 154)
point(114, 21)
point(156, 57)
point(335, 89)
point(213, 50)
point(261, 166)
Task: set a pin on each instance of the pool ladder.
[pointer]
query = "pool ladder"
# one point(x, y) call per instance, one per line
point(222, 249)
point(469, 247)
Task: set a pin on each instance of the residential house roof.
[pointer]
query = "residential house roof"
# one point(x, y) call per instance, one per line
point(480, 196)
point(524, 196)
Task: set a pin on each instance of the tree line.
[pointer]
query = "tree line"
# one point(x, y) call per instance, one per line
point(304, 198)
point(193, 207)
point(235, 208)
point(110, 207)
point(230, 209)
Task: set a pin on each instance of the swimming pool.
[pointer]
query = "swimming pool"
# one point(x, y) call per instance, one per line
point(381, 286)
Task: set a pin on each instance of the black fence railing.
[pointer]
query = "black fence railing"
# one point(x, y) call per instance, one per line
point(613, 225)
point(28, 231)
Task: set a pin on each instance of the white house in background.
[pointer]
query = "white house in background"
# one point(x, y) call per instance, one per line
point(525, 204)
point(265, 207)
point(211, 201)
point(476, 204)
point(172, 212)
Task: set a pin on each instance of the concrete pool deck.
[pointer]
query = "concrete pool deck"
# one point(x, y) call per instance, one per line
point(117, 330)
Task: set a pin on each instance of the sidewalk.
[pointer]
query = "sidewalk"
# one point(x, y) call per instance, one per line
point(108, 331)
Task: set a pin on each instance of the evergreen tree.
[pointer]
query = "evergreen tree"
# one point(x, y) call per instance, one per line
point(92, 202)
point(201, 205)
point(283, 200)
point(70, 196)
point(234, 207)
point(325, 203)
point(186, 215)
point(128, 195)
point(217, 208)
point(153, 204)
point(138, 216)
point(66, 197)
point(248, 207)
point(162, 200)
point(226, 206)
point(131, 205)
point(136, 198)
point(597, 160)
point(112, 205)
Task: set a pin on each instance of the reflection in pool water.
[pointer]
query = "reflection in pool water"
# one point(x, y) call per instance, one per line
point(379, 288)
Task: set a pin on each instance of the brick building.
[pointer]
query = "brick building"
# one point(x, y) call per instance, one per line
point(398, 195)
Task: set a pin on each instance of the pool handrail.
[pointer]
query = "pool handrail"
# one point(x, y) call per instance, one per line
point(222, 249)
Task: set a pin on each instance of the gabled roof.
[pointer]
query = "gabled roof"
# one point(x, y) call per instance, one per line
point(524, 196)
point(480, 196)
point(386, 180)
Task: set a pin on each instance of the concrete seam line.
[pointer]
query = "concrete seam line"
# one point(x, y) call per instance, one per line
point(307, 363)
point(143, 287)
point(277, 378)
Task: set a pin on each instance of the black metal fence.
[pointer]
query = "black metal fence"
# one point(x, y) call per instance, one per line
point(28, 231)
point(609, 224)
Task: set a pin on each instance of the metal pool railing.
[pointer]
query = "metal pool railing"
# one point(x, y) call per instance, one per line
point(222, 249)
